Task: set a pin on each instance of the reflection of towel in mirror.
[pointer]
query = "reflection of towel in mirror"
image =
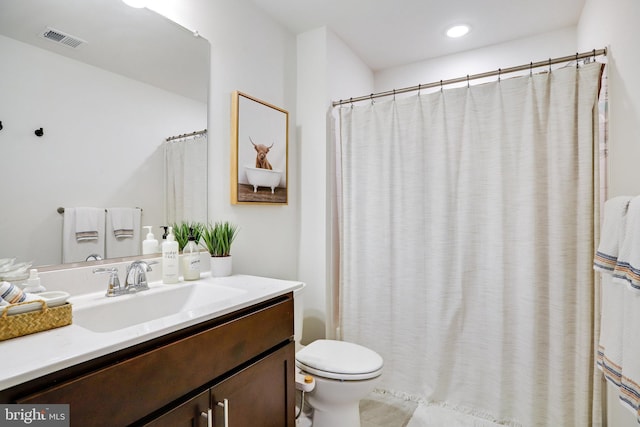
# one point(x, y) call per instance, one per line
point(74, 249)
point(123, 232)
point(121, 221)
point(87, 223)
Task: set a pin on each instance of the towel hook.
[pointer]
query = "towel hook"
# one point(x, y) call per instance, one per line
point(39, 132)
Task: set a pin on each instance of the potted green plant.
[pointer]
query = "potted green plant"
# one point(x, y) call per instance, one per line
point(182, 230)
point(217, 239)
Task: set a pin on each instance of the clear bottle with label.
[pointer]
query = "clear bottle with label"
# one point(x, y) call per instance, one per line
point(191, 259)
point(170, 266)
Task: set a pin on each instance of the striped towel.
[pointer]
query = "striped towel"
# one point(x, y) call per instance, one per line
point(627, 269)
point(87, 221)
point(609, 356)
point(612, 233)
point(122, 222)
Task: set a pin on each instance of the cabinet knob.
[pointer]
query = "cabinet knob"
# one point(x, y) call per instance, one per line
point(209, 416)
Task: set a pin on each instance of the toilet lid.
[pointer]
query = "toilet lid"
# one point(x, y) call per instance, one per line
point(339, 360)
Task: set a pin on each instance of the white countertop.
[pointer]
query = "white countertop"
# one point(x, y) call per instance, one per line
point(32, 356)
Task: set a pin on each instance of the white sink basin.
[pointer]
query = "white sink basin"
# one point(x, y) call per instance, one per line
point(98, 313)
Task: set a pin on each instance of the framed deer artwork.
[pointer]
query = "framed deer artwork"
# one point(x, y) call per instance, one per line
point(259, 152)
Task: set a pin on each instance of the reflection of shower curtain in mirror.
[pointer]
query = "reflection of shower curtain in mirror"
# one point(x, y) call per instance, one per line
point(186, 179)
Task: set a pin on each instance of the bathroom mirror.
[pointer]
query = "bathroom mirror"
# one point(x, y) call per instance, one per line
point(90, 91)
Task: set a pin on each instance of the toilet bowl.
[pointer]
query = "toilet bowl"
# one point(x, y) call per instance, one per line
point(343, 373)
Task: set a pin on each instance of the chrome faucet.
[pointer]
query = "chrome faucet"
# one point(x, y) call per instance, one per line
point(136, 279)
point(113, 288)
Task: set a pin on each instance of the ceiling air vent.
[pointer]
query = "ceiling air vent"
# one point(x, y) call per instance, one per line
point(60, 37)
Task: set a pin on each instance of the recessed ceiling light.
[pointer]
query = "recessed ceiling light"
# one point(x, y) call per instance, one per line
point(135, 3)
point(457, 31)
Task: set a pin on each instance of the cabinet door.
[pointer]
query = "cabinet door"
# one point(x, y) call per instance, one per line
point(189, 414)
point(261, 395)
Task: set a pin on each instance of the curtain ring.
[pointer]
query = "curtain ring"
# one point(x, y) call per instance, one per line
point(394, 94)
point(594, 55)
point(440, 85)
point(499, 72)
point(531, 69)
point(419, 88)
point(577, 61)
point(549, 64)
point(371, 97)
point(351, 100)
point(468, 81)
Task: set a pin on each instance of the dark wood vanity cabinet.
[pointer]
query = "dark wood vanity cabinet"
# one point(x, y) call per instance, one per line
point(246, 357)
point(255, 396)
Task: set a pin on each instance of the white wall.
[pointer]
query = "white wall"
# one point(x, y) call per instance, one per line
point(312, 101)
point(612, 24)
point(98, 125)
point(516, 52)
point(253, 54)
point(326, 69)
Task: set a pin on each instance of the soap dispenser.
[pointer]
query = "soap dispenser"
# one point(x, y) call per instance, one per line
point(191, 259)
point(170, 268)
point(150, 244)
point(33, 283)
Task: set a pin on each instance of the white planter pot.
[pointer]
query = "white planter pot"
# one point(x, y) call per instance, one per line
point(221, 266)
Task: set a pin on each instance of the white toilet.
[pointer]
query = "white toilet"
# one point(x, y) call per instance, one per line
point(343, 374)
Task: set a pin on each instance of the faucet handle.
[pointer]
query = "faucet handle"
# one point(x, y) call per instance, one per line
point(113, 288)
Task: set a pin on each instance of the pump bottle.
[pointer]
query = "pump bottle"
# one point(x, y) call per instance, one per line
point(150, 244)
point(191, 259)
point(170, 268)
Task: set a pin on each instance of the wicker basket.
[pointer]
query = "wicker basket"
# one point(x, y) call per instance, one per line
point(17, 325)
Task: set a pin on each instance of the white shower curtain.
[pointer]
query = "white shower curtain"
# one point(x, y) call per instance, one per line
point(186, 179)
point(466, 241)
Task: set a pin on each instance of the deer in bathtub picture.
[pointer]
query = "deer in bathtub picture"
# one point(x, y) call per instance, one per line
point(263, 174)
point(261, 156)
point(259, 152)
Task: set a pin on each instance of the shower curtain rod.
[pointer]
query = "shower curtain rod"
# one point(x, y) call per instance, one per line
point(185, 135)
point(551, 61)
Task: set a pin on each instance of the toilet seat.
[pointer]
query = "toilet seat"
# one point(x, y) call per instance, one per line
point(339, 360)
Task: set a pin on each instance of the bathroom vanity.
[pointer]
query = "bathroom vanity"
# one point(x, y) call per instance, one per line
point(229, 362)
